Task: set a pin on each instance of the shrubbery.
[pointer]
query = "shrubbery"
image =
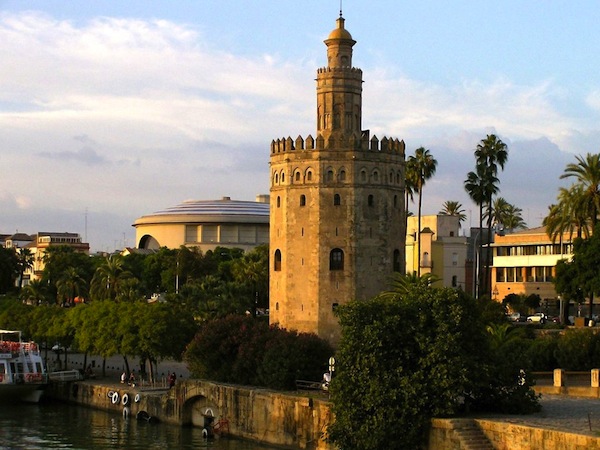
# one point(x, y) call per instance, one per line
point(243, 350)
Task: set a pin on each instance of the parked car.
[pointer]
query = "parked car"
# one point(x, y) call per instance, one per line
point(537, 318)
point(516, 317)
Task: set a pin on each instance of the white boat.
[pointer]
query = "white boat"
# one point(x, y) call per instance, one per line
point(22, 372)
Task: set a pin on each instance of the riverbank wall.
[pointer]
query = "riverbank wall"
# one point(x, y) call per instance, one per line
point(284, 420)
point(289, 420)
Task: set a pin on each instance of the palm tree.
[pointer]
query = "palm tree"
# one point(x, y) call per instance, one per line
point(477, 188)
point(569, 215)
point(506, 215)
point(25, 258)
point(490, 155)
point(108, 278)
point(70, 285)
point(587, 174)
point(34, 292)
point(453, 208)
point(420, 168)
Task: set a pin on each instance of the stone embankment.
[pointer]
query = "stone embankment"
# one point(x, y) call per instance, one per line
point(299, 420)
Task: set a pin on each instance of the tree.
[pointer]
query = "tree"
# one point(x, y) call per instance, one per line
point(453, 208)
point(404, 358)
point(109, 278)
point(586, 173)
point(34, 293)
point(490, 155)
point(506, 215)
point(9, 269)
point(420, 167)
point(25, 259)
point(70, 285)
point(569, 215)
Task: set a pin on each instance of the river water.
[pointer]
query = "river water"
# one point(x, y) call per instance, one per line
point(56, 425)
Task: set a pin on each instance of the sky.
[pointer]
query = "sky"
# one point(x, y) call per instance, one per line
point(110, 110)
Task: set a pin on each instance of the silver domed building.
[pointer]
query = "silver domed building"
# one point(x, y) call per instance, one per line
point(206, 224)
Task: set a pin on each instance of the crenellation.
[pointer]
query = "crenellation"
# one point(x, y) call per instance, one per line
point(339, 142)
point(355, 70)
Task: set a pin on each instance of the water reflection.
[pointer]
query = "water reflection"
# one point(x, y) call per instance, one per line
point(53, 425)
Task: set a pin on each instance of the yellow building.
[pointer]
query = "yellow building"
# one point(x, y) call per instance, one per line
point(443, 250)
point(337, 205)
point(524, 262)
point(38, 245)
point(206, 224)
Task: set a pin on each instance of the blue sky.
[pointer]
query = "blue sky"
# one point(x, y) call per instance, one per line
point(110, 110)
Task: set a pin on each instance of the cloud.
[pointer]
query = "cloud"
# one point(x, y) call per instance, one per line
point(128, 116)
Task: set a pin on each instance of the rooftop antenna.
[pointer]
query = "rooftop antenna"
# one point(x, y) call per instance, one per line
point(340, 8)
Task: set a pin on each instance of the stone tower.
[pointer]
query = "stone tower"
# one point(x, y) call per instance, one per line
point(337, 225)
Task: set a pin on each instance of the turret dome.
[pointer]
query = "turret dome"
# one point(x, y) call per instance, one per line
point(340, 32)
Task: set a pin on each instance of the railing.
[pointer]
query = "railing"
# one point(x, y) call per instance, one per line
point(561, 377)
point(23, 378)
point(66, 375)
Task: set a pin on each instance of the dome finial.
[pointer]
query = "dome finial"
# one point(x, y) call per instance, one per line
point(340, 8)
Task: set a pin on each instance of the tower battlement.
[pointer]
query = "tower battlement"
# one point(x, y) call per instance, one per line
point(356, 70)
point(344, 143)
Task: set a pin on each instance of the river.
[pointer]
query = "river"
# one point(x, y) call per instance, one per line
point(56, 425)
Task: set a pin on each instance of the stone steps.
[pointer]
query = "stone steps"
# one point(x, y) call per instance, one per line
point(471, 437)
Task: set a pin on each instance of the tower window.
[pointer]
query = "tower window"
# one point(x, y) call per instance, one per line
point(329, 175)
point(395, 201)
point(342, 175)
point(278, 201)
point(363, 176)
point(371, 200)
point(396, 260)
point(297, 176)
point(277, 264)
point(303, 200)
point(276, 178)
point(336, 259)
point(375, 177)
point(282, 177)
point(337, 200)
point(309, 175)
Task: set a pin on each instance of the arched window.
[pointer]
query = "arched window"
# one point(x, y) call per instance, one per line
point(396, 260)
point(303, 200)
point(342, 175)
point(375, 177)
point(278, 201)
point(297, 176)
point(276, 178)
point(371, 200)
point(282, 177)
point(336, 259)
point(309, 176)
point(277, 261)
point(363, 176)
point(426, 262)
point(329, 175)
point(337, 200)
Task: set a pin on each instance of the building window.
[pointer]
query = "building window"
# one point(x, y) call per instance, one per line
point(342, 175)
point(303, 200)
point(297, 176)
point(276, 178)
point(334, 306)
point(454, 259)
point(336, 259)
point(363, 176)
point(370, 200)
point(376, 177)
point(454, 281)
point(329, 175)
point(395, 201)
point(426, 261)
point(282, 177)
point(336, 200)
point(278, 201)
point(277, 263)
point(309, 176)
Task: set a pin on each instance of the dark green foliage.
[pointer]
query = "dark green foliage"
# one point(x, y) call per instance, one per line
point(491, 311)
point(578, 350)
point(243, 350)
point(541, 353)
point(403, 359)
point(533, 301)
point(8, 269)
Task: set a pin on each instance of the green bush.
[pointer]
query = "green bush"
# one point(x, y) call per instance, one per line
point(243, 350)
point(578, 349)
